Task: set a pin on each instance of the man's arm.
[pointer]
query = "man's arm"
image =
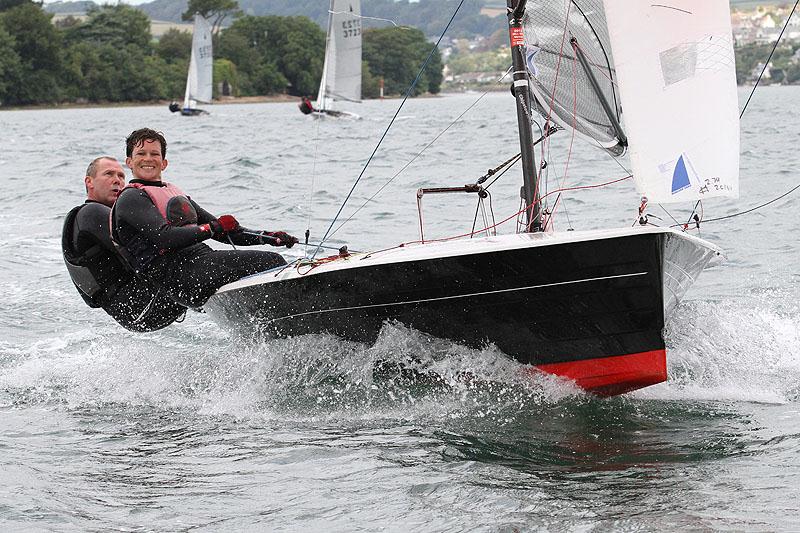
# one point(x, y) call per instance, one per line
point(240, 237)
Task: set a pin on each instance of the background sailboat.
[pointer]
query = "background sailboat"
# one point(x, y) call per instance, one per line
point(341, 74)
point(199, 80)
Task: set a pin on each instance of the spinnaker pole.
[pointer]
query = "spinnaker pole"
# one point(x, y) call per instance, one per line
point(521, 90)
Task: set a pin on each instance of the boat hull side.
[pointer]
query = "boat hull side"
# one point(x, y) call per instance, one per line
point(543, 305)
point(609, 376)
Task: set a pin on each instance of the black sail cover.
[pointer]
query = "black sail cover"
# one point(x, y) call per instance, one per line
point(562, 88)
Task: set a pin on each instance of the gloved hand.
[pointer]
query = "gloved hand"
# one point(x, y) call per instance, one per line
point(280, 238)
point(223, 225)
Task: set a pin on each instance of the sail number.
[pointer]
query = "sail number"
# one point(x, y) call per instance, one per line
point(351, 28)
point(714, 184)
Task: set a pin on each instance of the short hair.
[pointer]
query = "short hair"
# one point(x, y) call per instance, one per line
point(145, 134)
point(91, 170)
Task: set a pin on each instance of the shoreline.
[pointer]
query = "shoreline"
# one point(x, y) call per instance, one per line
point(277, 98)
point(270, 99)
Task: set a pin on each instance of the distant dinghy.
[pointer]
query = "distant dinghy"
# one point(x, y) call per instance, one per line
point(341, 74)
point(201, 71)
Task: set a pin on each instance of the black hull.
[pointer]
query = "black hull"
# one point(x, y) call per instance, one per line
point(193, 112)
point(541, 305)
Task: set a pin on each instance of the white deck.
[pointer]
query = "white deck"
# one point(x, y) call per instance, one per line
point(434, 250)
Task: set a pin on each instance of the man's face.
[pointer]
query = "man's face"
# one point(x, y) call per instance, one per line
point(107, 183)
point(146, 162)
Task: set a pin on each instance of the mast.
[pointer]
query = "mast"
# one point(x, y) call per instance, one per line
point(521, 90)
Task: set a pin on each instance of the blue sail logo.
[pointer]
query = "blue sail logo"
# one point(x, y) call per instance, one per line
point(680, 177)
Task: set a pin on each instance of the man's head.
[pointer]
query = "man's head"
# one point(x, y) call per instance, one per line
point(146, 150)
point(104, 180)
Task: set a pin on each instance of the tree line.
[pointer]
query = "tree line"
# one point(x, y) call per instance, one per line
point(112, 57)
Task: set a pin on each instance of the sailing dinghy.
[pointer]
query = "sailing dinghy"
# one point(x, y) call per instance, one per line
point(341, 73)
point(201, 71)
point(589, 306)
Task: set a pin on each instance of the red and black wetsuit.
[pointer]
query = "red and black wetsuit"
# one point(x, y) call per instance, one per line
point(103, 280)
point(167, 248)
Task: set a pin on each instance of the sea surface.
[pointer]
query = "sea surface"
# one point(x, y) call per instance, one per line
point(193, 428)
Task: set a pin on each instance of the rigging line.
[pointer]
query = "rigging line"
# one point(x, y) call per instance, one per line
point(670, 214)
point(516, 158)
point(552, 95)
point(766, 63)
point(787, 193)
point(396, 25)
point(694, 210)
point(313, 178)
point(391, 122)
point(506, 165)
point(386, 184)
point(571, 140)
point(515, 215)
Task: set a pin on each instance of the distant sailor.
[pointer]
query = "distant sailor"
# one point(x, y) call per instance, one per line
point(95, 267)
point(305, 105)
point(160, 231)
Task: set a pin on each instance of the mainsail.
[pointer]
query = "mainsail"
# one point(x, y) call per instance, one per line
point(341, 74)
point(677, 80)
point(201, 65)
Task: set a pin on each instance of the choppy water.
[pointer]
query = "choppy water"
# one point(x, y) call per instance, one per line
point(192, 428)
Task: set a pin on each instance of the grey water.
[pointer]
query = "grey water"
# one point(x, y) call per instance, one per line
point(194, 428)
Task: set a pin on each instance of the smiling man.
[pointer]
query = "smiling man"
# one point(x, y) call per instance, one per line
point(96, 269)
point(160, 231)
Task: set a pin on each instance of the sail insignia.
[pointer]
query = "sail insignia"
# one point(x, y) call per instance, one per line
point(680, 177)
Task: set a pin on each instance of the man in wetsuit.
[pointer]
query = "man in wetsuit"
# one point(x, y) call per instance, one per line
point(305, 105)
point(160, 231)
point(95, 266)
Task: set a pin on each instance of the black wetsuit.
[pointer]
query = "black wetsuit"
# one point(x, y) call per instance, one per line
point(103, 280)
point(171, 254)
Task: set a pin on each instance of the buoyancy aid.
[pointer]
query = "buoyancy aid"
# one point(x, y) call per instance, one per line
point(170, 201)
point(176, 209)
point(96, 272)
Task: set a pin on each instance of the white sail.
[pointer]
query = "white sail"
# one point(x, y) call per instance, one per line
point(201, 65)
point(677, 82)
point(341, 74)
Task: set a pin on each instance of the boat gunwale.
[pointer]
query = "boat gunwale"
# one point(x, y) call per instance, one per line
point(461, 247)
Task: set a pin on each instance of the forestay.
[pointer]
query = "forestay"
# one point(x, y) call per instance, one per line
point(341, 75)
point(677, 81)
point(555, 31)
point(201, 64)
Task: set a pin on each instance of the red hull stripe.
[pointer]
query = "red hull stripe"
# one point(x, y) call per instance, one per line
point(609, 376)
